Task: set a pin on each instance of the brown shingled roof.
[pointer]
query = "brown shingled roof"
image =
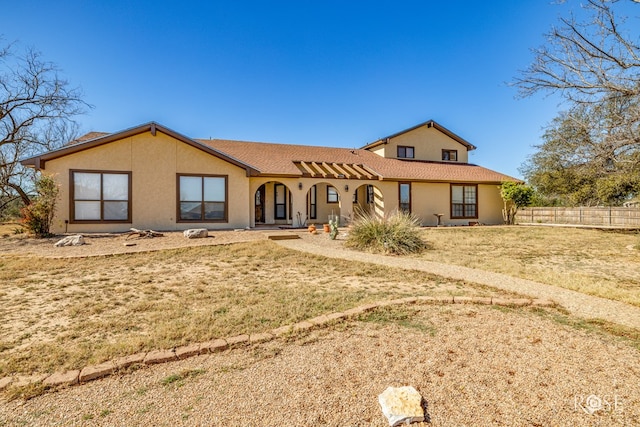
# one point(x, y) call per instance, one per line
point(284, 160)
point(87, 137)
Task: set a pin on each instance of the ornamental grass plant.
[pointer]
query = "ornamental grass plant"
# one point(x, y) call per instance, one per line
point(397, 234)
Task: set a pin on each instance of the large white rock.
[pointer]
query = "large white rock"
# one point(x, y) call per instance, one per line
point(401, 405)
point(196, 233)
point(76, 240)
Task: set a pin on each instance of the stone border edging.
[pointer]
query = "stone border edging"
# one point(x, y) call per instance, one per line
point(94, 372)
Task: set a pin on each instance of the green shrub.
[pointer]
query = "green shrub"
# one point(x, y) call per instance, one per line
point(398, 234)
point(38, 215)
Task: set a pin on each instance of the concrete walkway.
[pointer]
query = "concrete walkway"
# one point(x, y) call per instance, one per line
point(579, 304)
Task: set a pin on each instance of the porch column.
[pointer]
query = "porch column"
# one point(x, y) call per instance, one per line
point(346, 203)
point(299, 203)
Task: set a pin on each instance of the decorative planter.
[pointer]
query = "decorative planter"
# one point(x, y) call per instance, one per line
point(326, 228)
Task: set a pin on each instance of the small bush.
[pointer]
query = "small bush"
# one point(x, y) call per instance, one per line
point(397, 234)
point(38, 215)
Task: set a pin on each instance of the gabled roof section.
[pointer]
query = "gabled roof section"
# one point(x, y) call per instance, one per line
point(95, 139)
point(304, 161)
point(429, 124)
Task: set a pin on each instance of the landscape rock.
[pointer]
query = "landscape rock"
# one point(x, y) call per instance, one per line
point(62, 378)
point(126, 361)
point(213, 346)
point(186, 351)
point(159, 356)
point(196, 233)
point(401, 405)
point(76, 240)
point(89, 373)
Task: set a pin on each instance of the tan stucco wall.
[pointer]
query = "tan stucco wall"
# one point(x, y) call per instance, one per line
point(428, 144)
point(428, 199)
point(153, 162)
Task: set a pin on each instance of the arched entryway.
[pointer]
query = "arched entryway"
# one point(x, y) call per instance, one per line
point(273, 204)
point(368, 199)
point(323, 200)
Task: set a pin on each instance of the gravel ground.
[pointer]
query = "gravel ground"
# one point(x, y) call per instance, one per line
point(107, 244)
point(582, 305)
point(474, 365)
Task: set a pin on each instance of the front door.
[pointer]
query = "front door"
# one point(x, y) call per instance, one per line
point(260, 204)
point(280, 201)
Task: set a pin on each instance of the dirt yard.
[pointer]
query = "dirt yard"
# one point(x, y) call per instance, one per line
point(474, 365)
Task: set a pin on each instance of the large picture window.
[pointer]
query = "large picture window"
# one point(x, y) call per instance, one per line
point(202, 198)
point(464, 201)
point(103, 196)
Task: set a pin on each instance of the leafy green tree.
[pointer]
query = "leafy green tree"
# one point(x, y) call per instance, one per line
point(585, 158)
point(515, 196)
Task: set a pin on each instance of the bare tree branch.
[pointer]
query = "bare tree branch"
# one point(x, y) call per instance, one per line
point(37, 108)
point(586, 61)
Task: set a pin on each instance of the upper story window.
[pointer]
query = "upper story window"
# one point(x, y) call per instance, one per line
point(450, 155)
point(103, 196)
point(405, 152)
point(202, 198)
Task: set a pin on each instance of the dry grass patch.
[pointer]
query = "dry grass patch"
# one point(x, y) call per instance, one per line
point(594, 262)
point(67, 313)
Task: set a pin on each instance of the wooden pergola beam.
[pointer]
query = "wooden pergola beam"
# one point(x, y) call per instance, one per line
point(342, 171)
point(364, 172)
point(330, 169)
point(308, 169)
point(353, 171)
point(371, 171)
point(322, 172)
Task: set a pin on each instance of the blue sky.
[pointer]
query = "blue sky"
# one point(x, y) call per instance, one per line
point(333, 73)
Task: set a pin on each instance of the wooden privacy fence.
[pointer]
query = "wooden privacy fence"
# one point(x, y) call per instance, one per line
point(604, 217)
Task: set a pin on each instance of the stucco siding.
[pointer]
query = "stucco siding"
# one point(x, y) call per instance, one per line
point(154, 162)
point(428, 199)
point(428, 144)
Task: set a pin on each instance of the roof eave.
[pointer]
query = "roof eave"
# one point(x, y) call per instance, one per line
point(428, 123)
point(39, 161)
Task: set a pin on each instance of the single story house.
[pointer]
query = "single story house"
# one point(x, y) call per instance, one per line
point(151, 177)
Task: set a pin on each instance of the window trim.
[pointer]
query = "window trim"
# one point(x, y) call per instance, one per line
point(400, 184)
point(202, 218)
point(449, 153)
point(463, 203)
point(337, 195)
point(72, 205)
point(313, 202)
point(405, 147)
point(276, 204)
point(370, 194)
